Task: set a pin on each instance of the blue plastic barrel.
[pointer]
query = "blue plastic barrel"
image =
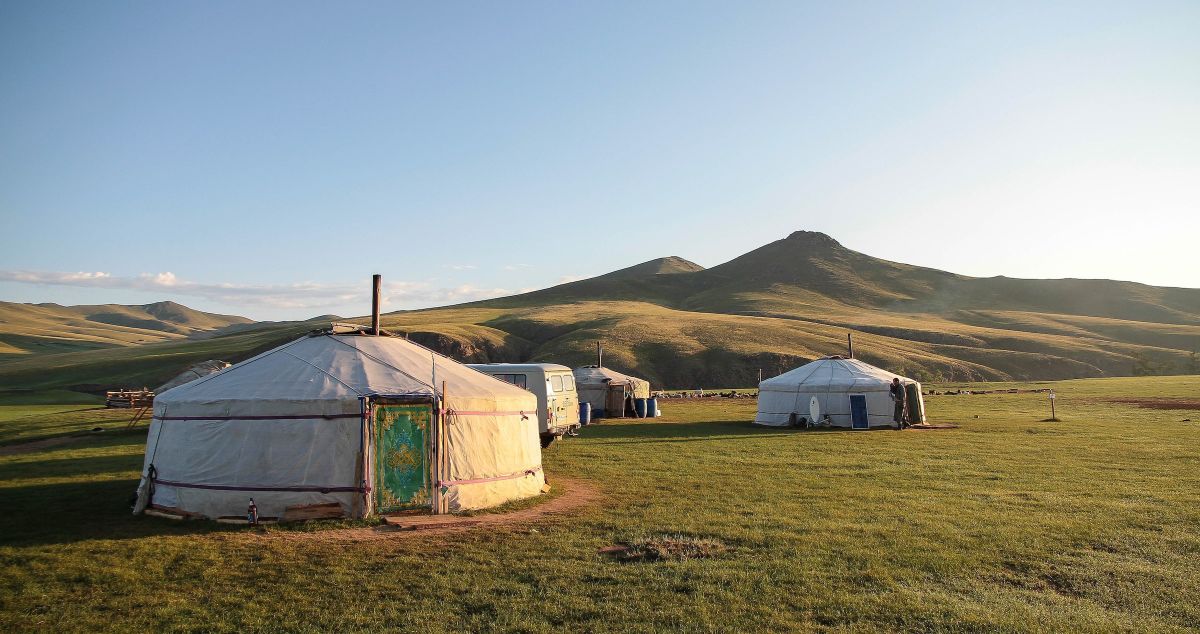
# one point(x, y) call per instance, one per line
point(639, 407)
point(585, 413)
point(652, 407)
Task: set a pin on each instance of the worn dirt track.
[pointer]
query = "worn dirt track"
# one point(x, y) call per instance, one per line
point(1157, 403)
point(37, 445)
point(577, 494)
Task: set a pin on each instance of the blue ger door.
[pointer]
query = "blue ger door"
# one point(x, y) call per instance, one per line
point(858, 412)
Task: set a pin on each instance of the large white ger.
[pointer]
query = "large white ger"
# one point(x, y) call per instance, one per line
point(355, 423)
point(842, 392)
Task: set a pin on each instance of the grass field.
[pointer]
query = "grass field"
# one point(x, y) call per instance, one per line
point(1005, 524)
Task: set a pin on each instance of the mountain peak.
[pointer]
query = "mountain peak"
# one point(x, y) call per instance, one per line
point(812, 239)
point(676, 264)
point(669, 265)
point(164, 305)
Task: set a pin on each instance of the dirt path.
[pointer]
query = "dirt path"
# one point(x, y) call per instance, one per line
point(37, 445)
point(577, 494)
point(1157, 403)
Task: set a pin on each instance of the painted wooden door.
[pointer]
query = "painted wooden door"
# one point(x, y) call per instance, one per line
point(858, 412)
point(402, 456)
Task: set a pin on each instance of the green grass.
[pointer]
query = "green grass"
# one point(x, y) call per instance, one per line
point(1005, 524)
point(48, 397)
point(24, 423)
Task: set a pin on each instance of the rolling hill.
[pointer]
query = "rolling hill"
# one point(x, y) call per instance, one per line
point(682, 325)
point(45, 328)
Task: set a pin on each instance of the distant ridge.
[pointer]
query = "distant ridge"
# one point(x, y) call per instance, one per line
point(682, 325)
point(814, 265)
point(48, 327)
point(808, 286)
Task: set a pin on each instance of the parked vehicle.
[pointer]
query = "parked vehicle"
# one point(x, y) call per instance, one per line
point(554, 386)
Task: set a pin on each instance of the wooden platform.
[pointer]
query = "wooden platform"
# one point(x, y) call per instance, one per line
point(129, 399)
point(425, 522)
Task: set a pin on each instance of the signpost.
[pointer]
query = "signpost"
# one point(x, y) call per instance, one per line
point(1053, 417)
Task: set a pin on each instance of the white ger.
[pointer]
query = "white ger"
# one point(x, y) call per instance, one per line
point(341, 424)
point(835, 391)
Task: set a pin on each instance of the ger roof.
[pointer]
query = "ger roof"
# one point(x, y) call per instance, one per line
point(832, 374)
point(518, 367)
point(340, 366)
point(590, 374)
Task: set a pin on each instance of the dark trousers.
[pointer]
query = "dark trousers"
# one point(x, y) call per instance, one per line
point(899, 415)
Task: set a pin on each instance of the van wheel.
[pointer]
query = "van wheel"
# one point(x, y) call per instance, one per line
point(547, 440)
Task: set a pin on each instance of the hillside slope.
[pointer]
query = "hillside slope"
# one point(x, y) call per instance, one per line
point(946, 325)
point(778, 306)
point(43, 328)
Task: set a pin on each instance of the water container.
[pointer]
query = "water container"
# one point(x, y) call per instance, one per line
point(652, 407)
point(585, 413)
point(639, 407)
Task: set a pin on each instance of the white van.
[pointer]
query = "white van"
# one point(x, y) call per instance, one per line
point(554, 386)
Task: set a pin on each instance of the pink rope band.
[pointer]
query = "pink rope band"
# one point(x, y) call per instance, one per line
point(511, 476)
point(454, 412)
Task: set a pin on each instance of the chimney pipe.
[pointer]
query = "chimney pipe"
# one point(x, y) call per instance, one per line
point(850, 343)
point(599, 355)
point(376, 283)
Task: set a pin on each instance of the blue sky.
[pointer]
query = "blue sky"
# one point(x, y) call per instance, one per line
point(265, 158)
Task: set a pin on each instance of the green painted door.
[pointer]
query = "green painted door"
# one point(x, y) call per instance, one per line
point(401, 457)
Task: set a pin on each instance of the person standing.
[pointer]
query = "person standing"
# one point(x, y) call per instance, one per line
point(898, 397)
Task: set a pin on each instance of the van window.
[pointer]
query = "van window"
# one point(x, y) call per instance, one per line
point(556, 382)
point(568, 383)
point(516, 379)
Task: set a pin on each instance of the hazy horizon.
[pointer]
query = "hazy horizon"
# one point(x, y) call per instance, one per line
point(252, 159)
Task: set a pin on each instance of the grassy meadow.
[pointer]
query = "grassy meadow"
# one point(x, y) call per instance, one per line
point(1004, 524)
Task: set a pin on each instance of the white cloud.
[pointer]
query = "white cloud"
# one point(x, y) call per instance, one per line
point(162, 279)
point(301, 295)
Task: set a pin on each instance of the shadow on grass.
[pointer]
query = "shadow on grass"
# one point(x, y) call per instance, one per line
point(692, 432)
point(110, 431)
point(73, 512)
point(68, 467)
point(677, 432)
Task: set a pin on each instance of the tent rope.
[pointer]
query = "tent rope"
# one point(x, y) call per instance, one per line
point(151, 471)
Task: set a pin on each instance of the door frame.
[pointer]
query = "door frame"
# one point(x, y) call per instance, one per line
point(371, 456)
point(866, 412)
